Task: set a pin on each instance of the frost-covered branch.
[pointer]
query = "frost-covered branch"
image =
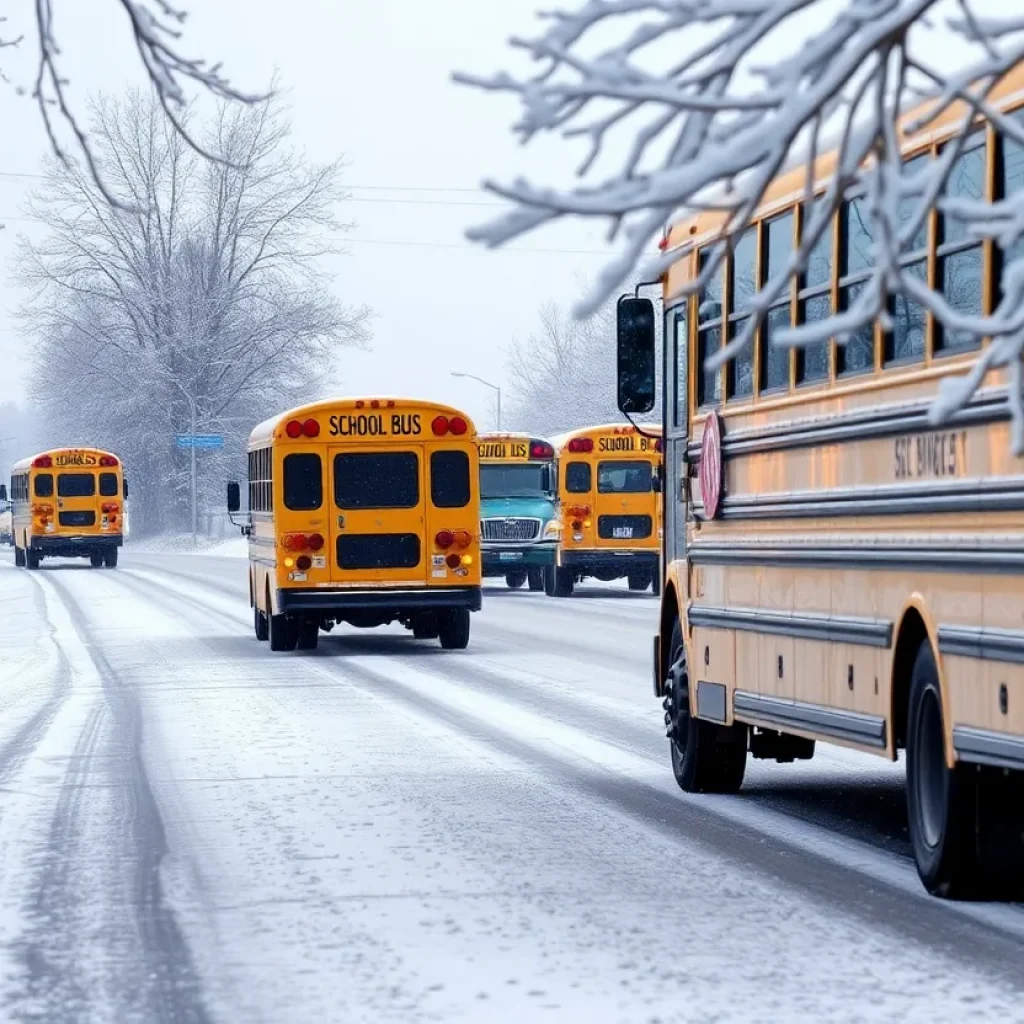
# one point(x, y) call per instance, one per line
point(687, 106)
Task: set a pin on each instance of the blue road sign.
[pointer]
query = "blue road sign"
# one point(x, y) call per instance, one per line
point(199, 440)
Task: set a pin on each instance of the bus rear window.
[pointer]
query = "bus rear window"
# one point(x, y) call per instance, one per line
point(624, 477)
point(303, 482)
point(108, 485)
point(449, 479)
point(76, 485)
point(577, 477)
point(44, 485)
point(377, 480)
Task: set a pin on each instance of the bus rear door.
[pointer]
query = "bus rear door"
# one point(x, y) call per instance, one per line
point(378, 517)
point(77, 510)
point(624, 504)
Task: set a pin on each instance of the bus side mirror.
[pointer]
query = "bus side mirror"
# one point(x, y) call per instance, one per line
point(3, 492)
point(634, 320)
point(126, 487)
point(546, 483)
point(656, 483)
point(234, 496)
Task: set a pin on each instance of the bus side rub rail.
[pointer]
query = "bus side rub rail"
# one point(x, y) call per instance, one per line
point(979, 746)
point(986, 643)
point(808, 626)
point(868, 730)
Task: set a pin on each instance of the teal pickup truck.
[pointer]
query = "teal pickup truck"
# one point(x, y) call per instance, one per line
point(518, 526)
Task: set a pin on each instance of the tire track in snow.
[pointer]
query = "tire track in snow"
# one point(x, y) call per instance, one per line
point(165, 980)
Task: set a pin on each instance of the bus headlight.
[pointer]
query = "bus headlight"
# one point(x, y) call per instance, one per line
point(552, 529)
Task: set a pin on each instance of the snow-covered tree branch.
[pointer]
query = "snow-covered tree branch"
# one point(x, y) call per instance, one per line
point(690, 106)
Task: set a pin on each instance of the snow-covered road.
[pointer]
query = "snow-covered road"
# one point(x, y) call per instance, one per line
point(195, 830)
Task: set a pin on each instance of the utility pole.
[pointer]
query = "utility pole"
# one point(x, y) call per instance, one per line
point(494, 387)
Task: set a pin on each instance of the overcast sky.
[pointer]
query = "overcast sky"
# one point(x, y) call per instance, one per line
point(370, 82)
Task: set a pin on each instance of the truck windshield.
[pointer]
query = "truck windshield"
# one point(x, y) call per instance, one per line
point(511, 481)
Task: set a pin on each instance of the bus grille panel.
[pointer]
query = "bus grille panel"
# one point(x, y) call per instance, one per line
point(510, 529)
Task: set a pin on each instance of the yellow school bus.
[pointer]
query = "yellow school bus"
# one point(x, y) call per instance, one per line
point(837, 569)
point(363, 511)
point(609, 484)
point(68, 503)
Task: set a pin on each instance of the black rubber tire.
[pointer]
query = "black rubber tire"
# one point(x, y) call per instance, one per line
point(453, 629)
point(307, 634)
point(564, 582)
point(515, 579)
point(282, 633)
point(549, 580)
point(19, 557)
point(639, 580)
point(259, 624)
point(96, 559)
point(110, 558)
point(535, 578)
point(941, 803)
point(32, 559)
point(424, 627)
point(706, 758)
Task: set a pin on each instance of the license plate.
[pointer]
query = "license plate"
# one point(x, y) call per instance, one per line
point(509, 556)
point(622, 532)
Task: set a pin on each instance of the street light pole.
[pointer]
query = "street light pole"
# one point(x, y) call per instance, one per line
point(487, 383)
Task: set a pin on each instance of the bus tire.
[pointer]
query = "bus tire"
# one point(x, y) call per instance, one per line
point(96, 559)
point(564, 582)
point(515, 579)
point(282, 633)
point(453, 629)
point(706, 758)
point(639, 580)
point(32, 559)
point(110, 558)
point(424, 626)
point(19, 556)
point(260, 626)
point(535, 578)
point(307, 634)
point(941, 803)
point(549, 580)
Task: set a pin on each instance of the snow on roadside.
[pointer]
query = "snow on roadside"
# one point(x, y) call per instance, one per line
point(232, 547)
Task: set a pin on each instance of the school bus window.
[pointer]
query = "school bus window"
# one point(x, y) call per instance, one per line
point(812, 361)
point(377, 480)
point(778, 247)
point(709, 334)
point(906, 341)
point(857, 353)
point(76, 485)
point(624, 477)
point(959, 258)
point(682, 351)
point(577, 477)
point(44, 485)
point(743, 270)
point(379, 551)
point(449, 479)
point(303, 481)
point(108, 485)
point(1009, 179)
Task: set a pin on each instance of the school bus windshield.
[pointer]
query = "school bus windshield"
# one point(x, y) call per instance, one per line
point(512, 481)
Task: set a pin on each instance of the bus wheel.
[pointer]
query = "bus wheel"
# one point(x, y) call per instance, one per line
point(32, 558)
point(515, 579)
point(941, 803)
point(424, 626)
point(96, 559)
point(307, 634)
point(564, 582)
point(453, 629)
point(282, 633)
point(535, 578)
point(110, 558)
point(706, 758)
point(259, 624)
point(639, 580)
point(19, 556)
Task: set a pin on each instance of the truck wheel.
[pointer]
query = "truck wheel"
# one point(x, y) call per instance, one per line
point(706, 758)
point(259, 624)
point(639, 580)
point(453, 629)
point(515, 579)
point(307, 634)
point(549, 580)
point(110, 558)
point(282, 633)
point(96, 559)
point(32, 559)
point(941, 803)
point(564, 582)
point(424, 626)
point(535, 578)
point(19, 556)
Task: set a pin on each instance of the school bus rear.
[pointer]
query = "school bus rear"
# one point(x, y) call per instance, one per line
point(366, 512)
point(609, 503)
point(68, 503)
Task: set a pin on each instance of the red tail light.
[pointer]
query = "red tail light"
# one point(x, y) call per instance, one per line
point(444, 538)
point(43, 462)
point(303, 562)
point(463, 538)
point(315, 541)
point(541, 450)
point(294, 542)
point(108, 460)
point(458, 426)
point(453, 561)
point(581, 444)
point(439, 425)
point(293, 429)
point(311, 428)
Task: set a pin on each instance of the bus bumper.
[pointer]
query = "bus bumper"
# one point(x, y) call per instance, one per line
point(499, 560)
point(604, 563)
point(75, 546)
point(326, 602)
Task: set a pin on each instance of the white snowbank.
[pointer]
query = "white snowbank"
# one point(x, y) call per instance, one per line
point(233, 547)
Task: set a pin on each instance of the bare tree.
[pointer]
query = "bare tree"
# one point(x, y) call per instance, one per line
point(155, 28)
point(200, 300)
point(708, 100)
